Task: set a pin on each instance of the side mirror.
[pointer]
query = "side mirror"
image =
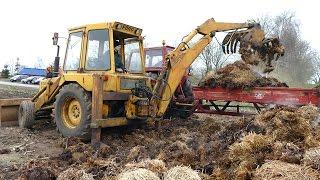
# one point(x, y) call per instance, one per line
point(55, 38)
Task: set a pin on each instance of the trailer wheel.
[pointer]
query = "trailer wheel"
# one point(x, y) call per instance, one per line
point(26, 114)
point(187, 91)
point(179, 111)
point(184, 112)
point(73, 111)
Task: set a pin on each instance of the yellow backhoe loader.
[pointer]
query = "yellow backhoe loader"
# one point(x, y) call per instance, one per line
point(103, 82)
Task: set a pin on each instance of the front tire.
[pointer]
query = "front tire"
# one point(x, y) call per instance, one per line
point(26, 114)
point(73, 111)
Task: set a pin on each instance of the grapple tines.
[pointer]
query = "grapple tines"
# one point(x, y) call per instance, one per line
point(230, 42)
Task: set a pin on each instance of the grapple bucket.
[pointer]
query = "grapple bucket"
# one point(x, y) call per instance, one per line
point(9, 109)
point(253, 46)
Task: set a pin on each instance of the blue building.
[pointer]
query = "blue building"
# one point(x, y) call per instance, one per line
point(33, 72)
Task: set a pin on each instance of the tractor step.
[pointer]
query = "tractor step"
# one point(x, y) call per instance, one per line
point(109, 122)
point(183, 104)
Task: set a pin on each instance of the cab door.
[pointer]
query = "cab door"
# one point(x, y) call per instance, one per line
point(74, 55)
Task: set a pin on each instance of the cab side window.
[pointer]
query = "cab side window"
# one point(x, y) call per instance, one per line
point(72, 60)
point(98, 51)
point(132, 57)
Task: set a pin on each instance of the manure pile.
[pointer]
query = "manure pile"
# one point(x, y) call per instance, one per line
point(281, 143)
point(238, 75)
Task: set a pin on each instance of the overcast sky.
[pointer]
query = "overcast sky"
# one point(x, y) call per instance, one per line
point(28, 25)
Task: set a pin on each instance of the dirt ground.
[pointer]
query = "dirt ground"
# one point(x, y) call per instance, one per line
point(23, 148)
point(8, 91)
point(18, 146)
point(20, 149)
point(279, 143)
point(215, 147)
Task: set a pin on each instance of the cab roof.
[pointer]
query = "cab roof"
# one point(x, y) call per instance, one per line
point(118, 26)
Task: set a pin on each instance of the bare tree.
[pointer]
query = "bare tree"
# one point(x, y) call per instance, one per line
point(316, 67)
point(267, 24)
point(212, 57)
point(296, 67)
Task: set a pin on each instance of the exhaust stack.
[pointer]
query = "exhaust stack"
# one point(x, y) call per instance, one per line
point(57, 58)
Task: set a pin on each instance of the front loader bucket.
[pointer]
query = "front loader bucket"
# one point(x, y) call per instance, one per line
point(9, 109)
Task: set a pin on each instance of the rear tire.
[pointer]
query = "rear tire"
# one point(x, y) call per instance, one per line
point(73, 111)
point(26, 114)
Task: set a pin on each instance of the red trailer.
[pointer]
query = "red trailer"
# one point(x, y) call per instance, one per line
point(217, 100)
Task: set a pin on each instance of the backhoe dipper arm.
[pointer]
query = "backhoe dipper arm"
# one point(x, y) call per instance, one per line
point(180, 59)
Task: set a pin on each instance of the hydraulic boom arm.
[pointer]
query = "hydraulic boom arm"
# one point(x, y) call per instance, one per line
point(180, 59)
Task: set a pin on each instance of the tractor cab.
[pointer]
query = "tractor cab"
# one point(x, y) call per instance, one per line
point(114, 50)
point(106, 48)
point(155, 58)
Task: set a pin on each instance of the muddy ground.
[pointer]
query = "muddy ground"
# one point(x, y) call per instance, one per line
point(125, 145)
point(19, 146)
point(280, 143)
point(24, 147)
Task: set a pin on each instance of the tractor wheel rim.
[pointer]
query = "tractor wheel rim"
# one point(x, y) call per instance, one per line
point(71, 113)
